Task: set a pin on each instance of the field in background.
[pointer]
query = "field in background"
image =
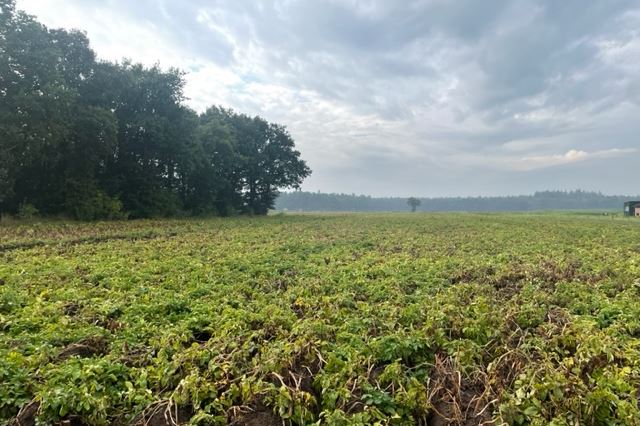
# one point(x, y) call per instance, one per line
point(337, 319)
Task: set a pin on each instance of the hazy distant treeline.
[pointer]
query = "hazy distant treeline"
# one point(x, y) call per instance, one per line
point(545, 200)
point(92, 139)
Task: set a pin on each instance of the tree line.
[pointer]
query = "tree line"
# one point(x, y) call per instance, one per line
point(543, 200)
point(94, 139)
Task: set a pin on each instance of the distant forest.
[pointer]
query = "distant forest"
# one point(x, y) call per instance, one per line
point(90, 139)
point(544, 200)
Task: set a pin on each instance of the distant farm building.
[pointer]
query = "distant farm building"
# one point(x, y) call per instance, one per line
point(632, 208)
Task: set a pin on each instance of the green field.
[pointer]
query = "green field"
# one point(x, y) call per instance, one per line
point(329, 319)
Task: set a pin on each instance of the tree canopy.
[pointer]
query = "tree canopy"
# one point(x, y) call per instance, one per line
point(94, 139)
point(413, 203)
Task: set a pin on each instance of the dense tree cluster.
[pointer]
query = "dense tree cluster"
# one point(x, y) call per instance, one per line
point(94, 139)
point(544, 200)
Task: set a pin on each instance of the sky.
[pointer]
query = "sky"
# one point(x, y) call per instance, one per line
point(399, 98)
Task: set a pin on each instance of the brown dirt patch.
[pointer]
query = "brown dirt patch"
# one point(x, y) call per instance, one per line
point(163, 413)
point(85, 348)
point(259, 415)
point(71, 309)
point(27, 414)
point(456, 399)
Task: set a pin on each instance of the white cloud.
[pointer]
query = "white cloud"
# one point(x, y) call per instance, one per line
point(571, 156)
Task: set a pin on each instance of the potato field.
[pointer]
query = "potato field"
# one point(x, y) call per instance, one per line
point(328, 319)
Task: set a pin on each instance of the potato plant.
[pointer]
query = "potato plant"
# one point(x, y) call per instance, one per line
point(340, 319)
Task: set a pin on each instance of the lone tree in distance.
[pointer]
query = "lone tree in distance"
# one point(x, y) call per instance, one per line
point(413, 202)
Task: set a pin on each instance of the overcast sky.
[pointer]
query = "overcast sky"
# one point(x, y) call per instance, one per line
point(425, 98)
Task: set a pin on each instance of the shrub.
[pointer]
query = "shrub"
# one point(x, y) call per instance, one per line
point(27, 211)
point(86, 202)
point(99, 206)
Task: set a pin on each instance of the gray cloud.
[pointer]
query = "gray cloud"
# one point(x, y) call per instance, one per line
point(424, 97)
